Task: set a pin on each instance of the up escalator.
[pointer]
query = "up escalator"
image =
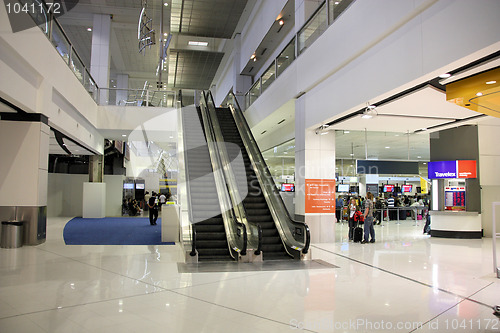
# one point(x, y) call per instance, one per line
point(209, 234)
point(256, 207)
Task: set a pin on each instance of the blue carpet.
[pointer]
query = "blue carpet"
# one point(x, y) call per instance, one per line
point(113, 231)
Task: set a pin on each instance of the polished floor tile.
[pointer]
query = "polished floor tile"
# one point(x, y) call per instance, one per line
point(405, 282)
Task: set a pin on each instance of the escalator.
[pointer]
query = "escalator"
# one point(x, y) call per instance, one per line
point(209, 234)
point(254, 203)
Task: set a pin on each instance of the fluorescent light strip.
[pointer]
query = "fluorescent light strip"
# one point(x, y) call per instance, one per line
point(195, 43)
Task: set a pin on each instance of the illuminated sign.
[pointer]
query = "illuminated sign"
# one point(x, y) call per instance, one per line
point(452, 169)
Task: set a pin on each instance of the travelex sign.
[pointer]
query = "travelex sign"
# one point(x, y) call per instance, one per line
point(452, 169)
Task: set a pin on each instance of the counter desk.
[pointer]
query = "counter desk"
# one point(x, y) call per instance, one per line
point(456, 224)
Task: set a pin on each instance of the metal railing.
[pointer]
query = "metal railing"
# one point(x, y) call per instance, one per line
point(56, 35)
point(314, 27)
point(137, 97)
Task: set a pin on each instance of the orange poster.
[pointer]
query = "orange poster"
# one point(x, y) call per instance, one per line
point(320, 196)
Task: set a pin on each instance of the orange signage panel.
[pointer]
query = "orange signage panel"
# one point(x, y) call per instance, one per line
point(320, 196)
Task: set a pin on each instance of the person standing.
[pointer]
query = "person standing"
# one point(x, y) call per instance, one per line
point(153, 209)
point(368, 213)
point(391, 205)
point(352, 210)
point(163, 199)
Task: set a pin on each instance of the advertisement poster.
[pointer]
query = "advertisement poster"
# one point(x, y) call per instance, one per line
point(320, 196)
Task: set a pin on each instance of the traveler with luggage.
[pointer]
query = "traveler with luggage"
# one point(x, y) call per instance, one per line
point(368, 216)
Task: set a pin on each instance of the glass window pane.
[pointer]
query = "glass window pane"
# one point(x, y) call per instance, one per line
point(286, 57)
point(337, 7)
point(313, 29)
point(268, 76)
point(77, 67)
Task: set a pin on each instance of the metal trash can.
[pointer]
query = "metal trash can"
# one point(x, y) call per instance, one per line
point(12, 234)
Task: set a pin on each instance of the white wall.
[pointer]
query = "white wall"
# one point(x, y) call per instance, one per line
point(45, 84)
point(65, 194)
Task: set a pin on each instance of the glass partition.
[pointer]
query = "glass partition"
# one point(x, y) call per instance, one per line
point(254, 91)
point(269, 76)
point(336, 7)
point(314, 28)
point(286, 57)
point(77, 66)
point(60, 42)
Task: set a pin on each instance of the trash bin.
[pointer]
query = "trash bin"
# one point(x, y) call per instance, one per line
point(12, 234)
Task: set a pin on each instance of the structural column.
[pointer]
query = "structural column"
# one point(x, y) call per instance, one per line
point(24, 143)
point(122, 86)
point(100, 54)
point(314, 159)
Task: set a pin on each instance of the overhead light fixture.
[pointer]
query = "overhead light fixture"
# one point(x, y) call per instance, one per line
point(254, 59)
point(165, 4)
point(196, 43)
point(479, 94)
point(165, 34)
point(370, 112)
point(491, 82)
point(322, 129)
point(124, 135)
point(387, 147)
point(89, 29)
point(347, 132)
point(445, 75)
point(281, 22)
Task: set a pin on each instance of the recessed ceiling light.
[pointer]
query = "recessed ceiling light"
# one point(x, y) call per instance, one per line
point(171, 137)
point(479, 94)
point(387, 147)
point(346, 132)
point(124, 135)
point(196, 43)
point(89, 29)
point(165, 4)
point(491, 82)
point(419, 156)
point(445, 75)
point(165, 34)
point(281, 22)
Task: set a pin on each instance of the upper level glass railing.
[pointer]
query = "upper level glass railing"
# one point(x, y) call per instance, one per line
point(55, 33)
point(137, 97)
point(317, 24)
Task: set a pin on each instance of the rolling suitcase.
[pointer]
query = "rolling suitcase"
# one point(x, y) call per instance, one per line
point(358, 234)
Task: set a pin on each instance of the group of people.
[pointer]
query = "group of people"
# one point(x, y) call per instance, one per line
point(371, 210)
point(153, 202)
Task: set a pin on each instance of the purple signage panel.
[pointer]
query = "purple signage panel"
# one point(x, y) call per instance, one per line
point(442, 169)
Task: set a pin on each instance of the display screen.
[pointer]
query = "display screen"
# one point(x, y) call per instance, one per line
point(388, 188)
point(407, 188)
point(140, 186)
point(287, 187)
point(343, 188)
point(128, 186)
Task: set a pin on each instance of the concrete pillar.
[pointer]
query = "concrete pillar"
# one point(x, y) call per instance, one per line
point(121, 83)
point(314, 159)
point(489, 181)
point(96, 168)
point(24, 144)
point(100, 53)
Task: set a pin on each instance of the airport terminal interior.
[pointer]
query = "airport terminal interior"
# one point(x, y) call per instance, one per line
point(217, 166)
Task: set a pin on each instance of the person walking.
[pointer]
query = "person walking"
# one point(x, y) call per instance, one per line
point(153, 209)
point(368, 213)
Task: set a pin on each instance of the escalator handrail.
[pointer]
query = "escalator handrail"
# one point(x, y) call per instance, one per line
point(226, 210)
point(188, 191)
point(262, 172)
point(253, 239)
